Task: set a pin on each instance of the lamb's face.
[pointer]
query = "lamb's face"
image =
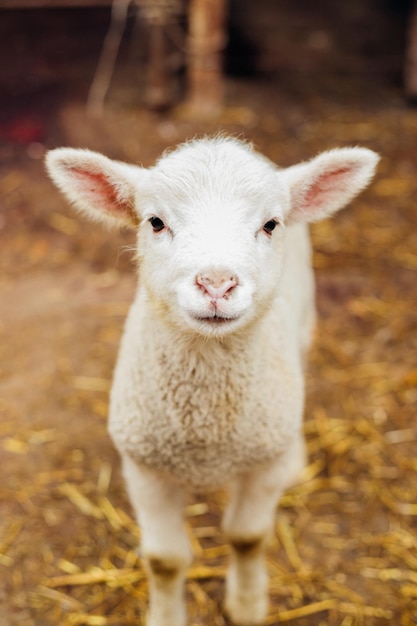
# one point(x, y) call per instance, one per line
point(210, 219)
point(211, 242)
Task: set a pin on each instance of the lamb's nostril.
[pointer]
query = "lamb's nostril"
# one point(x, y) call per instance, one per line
point(215, 285)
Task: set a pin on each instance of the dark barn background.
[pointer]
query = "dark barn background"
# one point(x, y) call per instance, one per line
point(300, 77)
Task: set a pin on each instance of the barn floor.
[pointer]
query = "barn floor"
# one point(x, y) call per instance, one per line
point(344, 551)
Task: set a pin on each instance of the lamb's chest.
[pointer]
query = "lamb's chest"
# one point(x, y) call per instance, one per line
point(200, 419)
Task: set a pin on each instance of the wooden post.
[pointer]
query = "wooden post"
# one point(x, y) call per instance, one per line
point(159, 15)
point(110, 50)
point(158, 92)
point(410, 71)
point(206, 42)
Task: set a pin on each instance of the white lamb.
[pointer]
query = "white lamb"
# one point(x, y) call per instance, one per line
point(209, 385)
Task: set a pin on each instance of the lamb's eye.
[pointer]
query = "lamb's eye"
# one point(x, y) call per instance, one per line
point(269, 226)
point(157, 224)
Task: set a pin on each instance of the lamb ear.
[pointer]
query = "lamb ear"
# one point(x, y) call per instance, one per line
point(102, 189)
point(328, 182)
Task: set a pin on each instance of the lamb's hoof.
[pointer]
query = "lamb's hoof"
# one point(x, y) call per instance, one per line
point(247, 610)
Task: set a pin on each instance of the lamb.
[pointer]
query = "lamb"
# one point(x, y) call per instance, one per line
point(208, 389)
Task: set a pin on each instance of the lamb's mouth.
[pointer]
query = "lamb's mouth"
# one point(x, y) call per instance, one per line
point(215, 320)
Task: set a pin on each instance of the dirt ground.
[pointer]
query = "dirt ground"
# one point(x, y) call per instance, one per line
point(306, 77)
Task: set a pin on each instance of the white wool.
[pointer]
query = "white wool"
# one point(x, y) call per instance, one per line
point(209, 385)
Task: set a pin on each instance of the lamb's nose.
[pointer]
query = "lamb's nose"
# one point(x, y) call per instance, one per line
point(216, 284)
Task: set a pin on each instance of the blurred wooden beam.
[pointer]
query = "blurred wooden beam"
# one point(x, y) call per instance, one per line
point(160, 16)
point(206, 42)
point(410, 70)
point(51, 4)
point(109, 52)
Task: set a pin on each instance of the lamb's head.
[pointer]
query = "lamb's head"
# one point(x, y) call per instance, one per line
point(211, 219)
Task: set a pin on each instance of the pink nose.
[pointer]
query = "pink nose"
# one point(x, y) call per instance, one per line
point(216, 284)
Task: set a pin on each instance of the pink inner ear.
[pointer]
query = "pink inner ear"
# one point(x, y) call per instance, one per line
point(329, 182)
point(101, 191)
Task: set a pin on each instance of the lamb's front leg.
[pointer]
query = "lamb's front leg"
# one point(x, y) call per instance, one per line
point(159, 505)
point(247, 522)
